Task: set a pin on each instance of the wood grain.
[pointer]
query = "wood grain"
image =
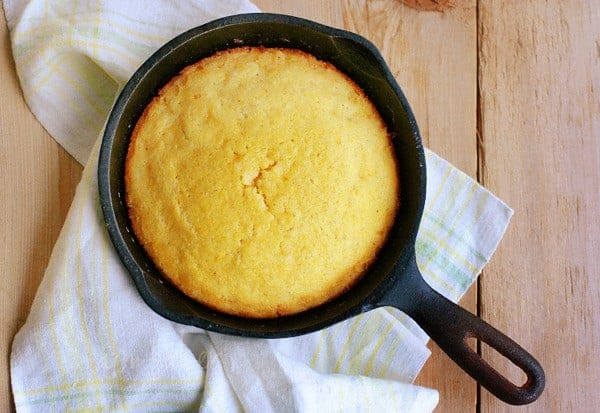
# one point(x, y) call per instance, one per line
point(37, 185)
point(540, 108)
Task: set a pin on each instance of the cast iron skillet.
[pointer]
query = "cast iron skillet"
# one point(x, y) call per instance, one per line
point(393, 280)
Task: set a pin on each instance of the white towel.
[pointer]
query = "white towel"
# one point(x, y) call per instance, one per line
point(91, 343)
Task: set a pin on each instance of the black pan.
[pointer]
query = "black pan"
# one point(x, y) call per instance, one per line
point(393, 279)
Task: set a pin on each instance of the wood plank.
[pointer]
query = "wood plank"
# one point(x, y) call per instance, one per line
point(37, 180)
point(433, 75)
point(439, 79)
point(325, 12)
point(540, 117)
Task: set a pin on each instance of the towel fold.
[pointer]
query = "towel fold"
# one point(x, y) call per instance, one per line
point(91, 343)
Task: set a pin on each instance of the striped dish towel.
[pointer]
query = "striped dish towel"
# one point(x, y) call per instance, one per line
point(91, 344)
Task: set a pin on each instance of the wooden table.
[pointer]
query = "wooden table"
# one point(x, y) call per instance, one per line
point(507, 91)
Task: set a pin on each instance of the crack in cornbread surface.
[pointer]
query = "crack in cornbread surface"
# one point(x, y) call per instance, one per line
point(261, 181)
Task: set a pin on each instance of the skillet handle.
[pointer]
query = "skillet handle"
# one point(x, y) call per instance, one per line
point(450, 326)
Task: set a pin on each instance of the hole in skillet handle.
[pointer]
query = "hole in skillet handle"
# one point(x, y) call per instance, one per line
point(450, 326)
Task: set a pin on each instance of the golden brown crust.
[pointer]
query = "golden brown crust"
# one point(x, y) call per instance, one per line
point(262, 182)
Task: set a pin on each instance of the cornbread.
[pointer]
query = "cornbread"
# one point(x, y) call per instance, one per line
point(261, 181)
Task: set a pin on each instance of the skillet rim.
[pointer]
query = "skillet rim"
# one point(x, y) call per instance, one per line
point(254, 327)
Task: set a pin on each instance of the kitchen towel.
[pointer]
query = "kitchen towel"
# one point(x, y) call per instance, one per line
point(91, 344)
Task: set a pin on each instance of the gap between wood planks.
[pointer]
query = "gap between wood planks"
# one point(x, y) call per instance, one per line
point(480, 168)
